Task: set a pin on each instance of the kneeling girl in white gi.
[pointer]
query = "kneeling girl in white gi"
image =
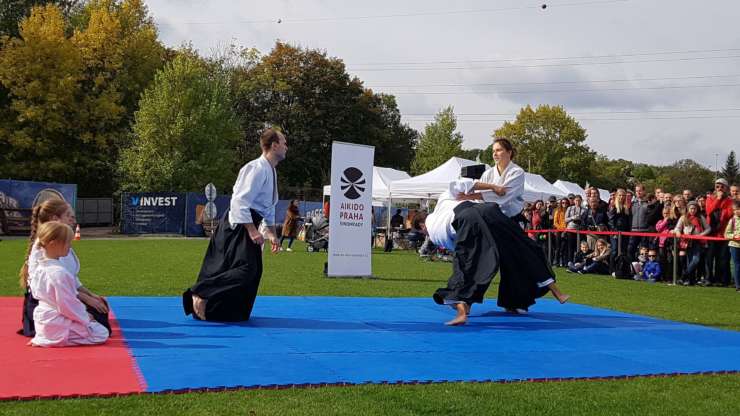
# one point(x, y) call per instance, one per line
point(61, 319)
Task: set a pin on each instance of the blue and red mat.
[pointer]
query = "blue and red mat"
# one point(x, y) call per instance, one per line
point(295, 341)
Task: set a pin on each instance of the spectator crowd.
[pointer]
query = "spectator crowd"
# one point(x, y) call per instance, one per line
point(715, 213)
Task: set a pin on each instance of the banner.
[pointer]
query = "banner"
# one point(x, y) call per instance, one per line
point(195, 212)
point(153, 213)
point(350, 215)
point(24, 194)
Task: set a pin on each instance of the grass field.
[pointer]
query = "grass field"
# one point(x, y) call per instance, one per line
point(150, 267)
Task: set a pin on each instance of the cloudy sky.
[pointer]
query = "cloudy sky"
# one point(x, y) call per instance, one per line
point(651, 80)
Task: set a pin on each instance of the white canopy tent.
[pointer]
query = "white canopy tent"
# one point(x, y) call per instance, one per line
point(604, 194)
point(431, 184)
point(382, 178)
point(570, 188)
point(536, 187)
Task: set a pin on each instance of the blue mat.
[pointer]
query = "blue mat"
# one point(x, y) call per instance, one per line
point(317, 340)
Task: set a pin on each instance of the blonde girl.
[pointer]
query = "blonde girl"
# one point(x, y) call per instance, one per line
point(60, 318)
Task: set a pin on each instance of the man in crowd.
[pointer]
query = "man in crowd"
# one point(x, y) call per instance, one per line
point(688, 196)
point(719, 213)
point(639, 219)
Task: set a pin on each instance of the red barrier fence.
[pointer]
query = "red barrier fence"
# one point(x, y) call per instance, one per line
point(619, 235)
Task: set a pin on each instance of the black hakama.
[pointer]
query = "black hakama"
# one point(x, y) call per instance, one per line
point(230, 274)
point(29, 305)
point(488, 241)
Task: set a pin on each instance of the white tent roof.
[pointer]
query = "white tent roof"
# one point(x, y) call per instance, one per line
point(569, 188)
point(536, 187)
point(604, 194)
point(382, 178)
point(433, 183)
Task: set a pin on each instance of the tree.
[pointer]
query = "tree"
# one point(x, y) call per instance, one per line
point(551, 142)
point(685, 174)
point(438, 143)
point(13, 11)
point(72, 92)
point(185, 132)
point(731, 171)
point(314, 101)
point(611, 174)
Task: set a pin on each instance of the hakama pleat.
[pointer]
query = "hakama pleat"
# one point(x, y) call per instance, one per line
point(230, 274)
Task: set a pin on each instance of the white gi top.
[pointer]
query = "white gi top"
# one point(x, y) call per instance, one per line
point(255, 188)
point(59, 315)
point(70, 262)
point(512, 178)
point(439, 222)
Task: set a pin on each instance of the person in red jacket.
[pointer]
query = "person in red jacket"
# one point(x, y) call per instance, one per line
point(719, 212)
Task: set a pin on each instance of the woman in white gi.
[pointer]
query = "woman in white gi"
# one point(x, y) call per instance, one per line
point(232, 268)
point(55, 210)
point(485, 240)
point(60, 318)
point(503, 183)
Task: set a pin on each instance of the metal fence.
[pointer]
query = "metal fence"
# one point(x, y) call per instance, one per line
point(95, 211)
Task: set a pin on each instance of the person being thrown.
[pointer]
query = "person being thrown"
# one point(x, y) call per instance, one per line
point(485, 240)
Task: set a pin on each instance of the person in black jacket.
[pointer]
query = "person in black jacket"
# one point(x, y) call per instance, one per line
point(620, 219)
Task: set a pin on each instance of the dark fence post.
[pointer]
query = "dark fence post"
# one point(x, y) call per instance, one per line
point(675, 258)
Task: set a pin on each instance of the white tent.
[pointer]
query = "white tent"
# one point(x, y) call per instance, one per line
point(431, 184)
point(570, 188)
point(536, 187)
point(382, 178)
point(604, 194)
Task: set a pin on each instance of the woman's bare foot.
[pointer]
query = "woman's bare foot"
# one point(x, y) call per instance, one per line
point(560, 296)
point(199, 307)
point(461, 318)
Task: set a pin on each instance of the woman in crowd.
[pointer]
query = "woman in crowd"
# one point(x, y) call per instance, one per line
point(560, 237)
point(619, 220)
point(679, 206)
point(60, 318)
point(290, 225)
point(665, 244)
point(573, 221)
point(54, 210)
point(691, 223)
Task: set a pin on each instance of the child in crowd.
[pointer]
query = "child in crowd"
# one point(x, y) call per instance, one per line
point(581, 259)
point(652, 270)
point(60, 318)
point(638, 265)
point(599, 258)
point(733, 232)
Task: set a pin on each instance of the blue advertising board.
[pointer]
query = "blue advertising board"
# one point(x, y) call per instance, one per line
point(153, 213)
point(23, 194)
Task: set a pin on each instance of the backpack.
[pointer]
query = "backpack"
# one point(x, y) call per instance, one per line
point(622, 267)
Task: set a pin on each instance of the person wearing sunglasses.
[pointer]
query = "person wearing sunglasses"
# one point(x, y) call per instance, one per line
point(652, 270)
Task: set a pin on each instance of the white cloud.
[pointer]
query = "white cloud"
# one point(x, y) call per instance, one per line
point(617, 28)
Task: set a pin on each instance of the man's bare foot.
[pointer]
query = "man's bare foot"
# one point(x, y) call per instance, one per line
point(467, 308)
point(461, 318)
point(560, 296)
point(199, 307)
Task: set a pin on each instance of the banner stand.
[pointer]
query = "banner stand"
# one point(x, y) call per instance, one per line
point(350, 213)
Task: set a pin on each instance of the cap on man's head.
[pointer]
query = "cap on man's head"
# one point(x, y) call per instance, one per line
point(552, 198)
point(571, 196)
point(723, 181)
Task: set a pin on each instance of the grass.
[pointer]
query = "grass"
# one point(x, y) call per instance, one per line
point(151, 267)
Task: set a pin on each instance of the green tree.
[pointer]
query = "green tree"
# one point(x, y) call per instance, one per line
point(314, 101)
point(611, 174)
point(186, 132)
point(731, 171)
point(438, 143)
point(72, 92)
point(685, 174)
point(551, 142)
point(13, 11)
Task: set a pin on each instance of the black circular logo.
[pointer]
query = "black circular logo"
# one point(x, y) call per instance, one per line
point(353, 184)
